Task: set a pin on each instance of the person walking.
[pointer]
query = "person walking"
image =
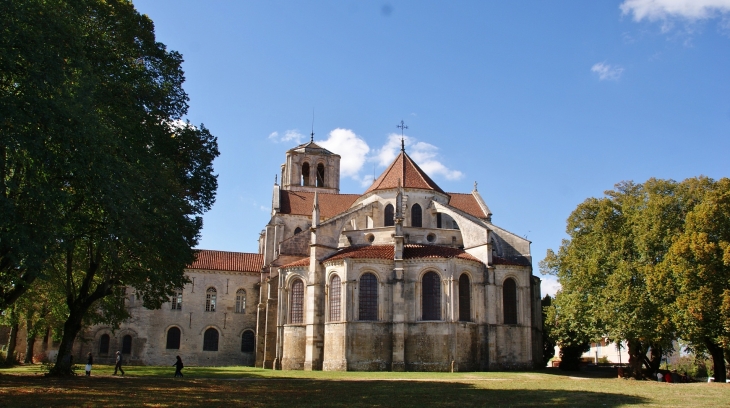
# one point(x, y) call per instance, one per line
point(178, 367)
point(118, 366)
point(89, 362)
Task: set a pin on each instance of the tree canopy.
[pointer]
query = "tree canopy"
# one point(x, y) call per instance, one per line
point(103, 184)
point(616, 270)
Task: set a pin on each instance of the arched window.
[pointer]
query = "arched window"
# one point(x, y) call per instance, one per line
point(509, 301)
point(173, 338)
point(335, 294)
point(127, 344)
point(320, 175)
point(297, 302)
point(247, 342)
point(368, 297)
point(210, 296)
point(464, 298)
point(431, 297)
point(241, 301)
point(389, 219)
point(297, 230)
point(305, 174)
point(104, 344)
point(416, 216)
point(210, 340)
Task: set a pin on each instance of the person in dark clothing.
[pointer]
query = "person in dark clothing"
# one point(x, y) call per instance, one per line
point(89, 362)
point(178, 367)
point(118, 366)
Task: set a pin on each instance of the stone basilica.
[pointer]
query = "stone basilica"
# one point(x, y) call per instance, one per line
point(404, 277)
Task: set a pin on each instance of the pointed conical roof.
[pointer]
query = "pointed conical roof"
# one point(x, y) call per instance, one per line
point(311, 147)
point(409, 174)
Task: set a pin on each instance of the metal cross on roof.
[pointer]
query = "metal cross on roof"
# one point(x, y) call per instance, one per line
point(402, 127)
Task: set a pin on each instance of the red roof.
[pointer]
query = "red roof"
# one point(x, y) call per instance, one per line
point(301, 262)
point(411, 251)
point(302, 202)
point(467, 203)
point(227, 261)
point(409, 174)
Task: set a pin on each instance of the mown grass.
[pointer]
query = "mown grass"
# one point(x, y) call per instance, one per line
point(245, 386)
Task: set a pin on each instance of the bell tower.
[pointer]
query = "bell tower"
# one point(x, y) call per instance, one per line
point(310, 167)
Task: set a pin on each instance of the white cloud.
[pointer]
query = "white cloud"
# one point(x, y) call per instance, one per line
point(607, 71)
point(654, 10)
point(289, 136)
point(425, 154)
point(549, 286)
point(350, 147)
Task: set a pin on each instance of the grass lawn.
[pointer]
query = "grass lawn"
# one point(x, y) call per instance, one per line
point(253, 387)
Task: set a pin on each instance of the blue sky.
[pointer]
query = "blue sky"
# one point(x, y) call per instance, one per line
point(544, 104)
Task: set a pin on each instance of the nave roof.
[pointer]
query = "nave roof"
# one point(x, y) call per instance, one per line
point(227, 261)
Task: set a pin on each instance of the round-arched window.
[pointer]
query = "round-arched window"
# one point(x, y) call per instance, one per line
point(247, 342)
point(416, 216)
point(210, 340)
point(431, 296)
point(335, 295)
point(389, 216)
point(173, 338)
point(296, 305)
point(368, 297)
point(509, 301)
point(127, 344)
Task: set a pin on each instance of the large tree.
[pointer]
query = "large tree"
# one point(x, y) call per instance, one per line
point(614, 255)
point(698, 276)
point(103, 183)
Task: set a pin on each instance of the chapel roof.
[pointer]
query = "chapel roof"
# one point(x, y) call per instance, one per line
point(227, 261)
point(410, 251)
point(301, 262)
point(406, 172)
point(467, 203)
point(302, 202)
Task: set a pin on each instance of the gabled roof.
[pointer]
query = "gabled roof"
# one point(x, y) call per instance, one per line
point(410, 251)
point(227, 261)
point(467, 203)
point(409, 174)
point(301, 203)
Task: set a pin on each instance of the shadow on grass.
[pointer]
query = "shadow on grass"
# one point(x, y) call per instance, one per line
point(597, 372)
point(110, 391)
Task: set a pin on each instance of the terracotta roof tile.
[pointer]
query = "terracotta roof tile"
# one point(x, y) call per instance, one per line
point(411, 251)
point(301, 203)
point(435, 251)
point(364, 252)
point(301, 262)
point(227, 261)
point(409, 174)
point(467, 203)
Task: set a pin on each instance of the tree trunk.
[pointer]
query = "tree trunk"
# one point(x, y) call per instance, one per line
point(71, 328)
point(12, 340)
point(655, 359)
point(29, 341)
point(718, 360)
point(636, 359)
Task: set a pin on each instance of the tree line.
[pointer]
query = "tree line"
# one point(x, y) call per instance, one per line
point(648, 264)
point(102, 185)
